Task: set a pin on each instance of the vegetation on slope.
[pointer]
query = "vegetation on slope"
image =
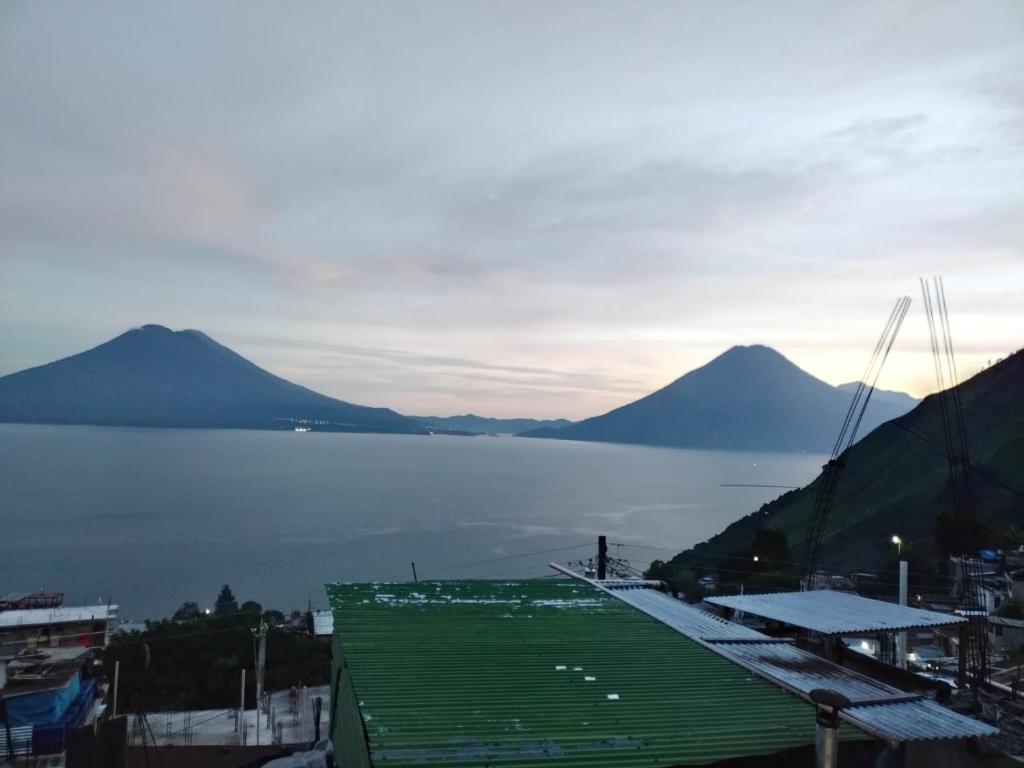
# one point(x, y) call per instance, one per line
point(896, 482)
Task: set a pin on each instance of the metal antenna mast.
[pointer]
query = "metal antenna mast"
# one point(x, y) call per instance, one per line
point(828, 484)
point(972, 598)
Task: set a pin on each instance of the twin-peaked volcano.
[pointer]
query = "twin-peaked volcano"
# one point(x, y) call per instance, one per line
point(154, 377)
point(747, 398)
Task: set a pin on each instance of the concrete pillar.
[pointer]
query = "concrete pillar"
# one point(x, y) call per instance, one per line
point(901, 637)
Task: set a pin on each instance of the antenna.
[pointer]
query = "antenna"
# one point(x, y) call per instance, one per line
point(954, 431)
point(828, 483)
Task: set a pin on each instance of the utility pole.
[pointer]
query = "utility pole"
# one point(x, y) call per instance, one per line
point(117, 678)
point(415, 580)
point(240, 725)
point(260, 639)
point(602, 557)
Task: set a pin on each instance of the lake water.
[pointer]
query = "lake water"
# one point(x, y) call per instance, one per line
point(150, 518)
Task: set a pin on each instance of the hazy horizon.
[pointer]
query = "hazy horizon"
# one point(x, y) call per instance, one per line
point(542, 210)
point(486, 415)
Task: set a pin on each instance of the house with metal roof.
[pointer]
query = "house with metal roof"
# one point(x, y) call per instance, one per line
point(543, 672)
point(895, 717)
point(828, 612)
point(585, 673)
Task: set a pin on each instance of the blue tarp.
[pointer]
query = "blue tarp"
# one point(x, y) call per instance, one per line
point(42, 707)
point(50, 739)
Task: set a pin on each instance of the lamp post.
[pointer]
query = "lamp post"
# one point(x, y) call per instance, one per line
point(901, 637)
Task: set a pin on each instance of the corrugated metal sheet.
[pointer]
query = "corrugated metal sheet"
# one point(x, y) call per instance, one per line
point(804, 671)
point(916, 721)
point(552, 673)
point(690, 621)
point(835, 613)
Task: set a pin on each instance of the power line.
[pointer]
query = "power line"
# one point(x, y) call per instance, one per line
point(509, 557)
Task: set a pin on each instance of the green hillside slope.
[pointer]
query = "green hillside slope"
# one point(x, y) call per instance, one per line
point(897, 482)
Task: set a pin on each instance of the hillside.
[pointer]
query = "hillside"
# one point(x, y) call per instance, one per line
point(482, 424)
point(154, 377)
point(896, 481)
point(746, 399)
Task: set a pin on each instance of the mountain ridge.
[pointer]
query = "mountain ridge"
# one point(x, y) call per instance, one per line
point(153, 376)
point(901, 399)
point(471, 422)
point(747, 398)
point(896, 481)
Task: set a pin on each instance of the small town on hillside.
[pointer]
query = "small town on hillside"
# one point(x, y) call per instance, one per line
point(595, 665)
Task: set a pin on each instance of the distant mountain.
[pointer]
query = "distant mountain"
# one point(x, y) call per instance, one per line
point(154, 377)
point(484, 425)
point(748, 398)
point(899, 399)
point(896, 481)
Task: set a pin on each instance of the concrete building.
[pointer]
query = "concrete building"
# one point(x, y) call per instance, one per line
point(45, 693)
point(57, 627)
point(1005, 634)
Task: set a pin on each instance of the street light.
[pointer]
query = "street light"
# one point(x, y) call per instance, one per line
point(899, 544)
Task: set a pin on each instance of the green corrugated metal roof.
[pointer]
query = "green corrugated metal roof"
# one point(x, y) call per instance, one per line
point(552, 673)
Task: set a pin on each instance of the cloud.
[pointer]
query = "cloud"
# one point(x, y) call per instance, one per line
point(444, 202)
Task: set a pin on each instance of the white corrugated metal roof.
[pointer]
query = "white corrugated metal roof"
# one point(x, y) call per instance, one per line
point(684, 618)
point(919, 720)
point(35, 617)
point(835, 613)
point(885, 711)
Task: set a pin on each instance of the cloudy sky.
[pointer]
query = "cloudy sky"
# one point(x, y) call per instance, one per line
point(517, 209)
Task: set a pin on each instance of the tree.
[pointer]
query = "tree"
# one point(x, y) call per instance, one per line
point(771, 546)
point(226, 602)
point(273, 618)
point(199, 666)
point(187, 612)
point(251, 606)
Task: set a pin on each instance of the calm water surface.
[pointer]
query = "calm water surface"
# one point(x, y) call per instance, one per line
point(151, 518)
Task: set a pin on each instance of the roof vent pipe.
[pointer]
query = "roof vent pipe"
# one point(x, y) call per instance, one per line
point(826, 740)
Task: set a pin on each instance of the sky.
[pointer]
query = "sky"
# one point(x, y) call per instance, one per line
point(538, 209)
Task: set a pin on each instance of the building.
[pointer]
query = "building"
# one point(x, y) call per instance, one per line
point(17, 601)
point(836, 619)
point(488, 673)
point(46, 692)
point(594, 673)
point(90, 625)
point(1006, 634)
